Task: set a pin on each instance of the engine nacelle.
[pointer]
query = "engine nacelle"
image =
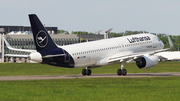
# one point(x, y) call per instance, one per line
point(102, 62)
point(147, 61)
point(35, 56)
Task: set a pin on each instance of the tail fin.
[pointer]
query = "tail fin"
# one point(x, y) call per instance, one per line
point(42, 39)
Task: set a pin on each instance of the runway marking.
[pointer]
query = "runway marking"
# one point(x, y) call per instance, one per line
point(47, 77)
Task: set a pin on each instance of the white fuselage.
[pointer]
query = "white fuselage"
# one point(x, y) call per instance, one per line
point(89, 53)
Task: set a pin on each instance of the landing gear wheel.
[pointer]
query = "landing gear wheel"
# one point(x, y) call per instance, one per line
point(84, 72)
point(124, 72)
point(88, 72)
point(119, 72)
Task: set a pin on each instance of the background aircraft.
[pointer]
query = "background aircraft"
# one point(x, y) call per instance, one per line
point(169, 55)
point(141, 48)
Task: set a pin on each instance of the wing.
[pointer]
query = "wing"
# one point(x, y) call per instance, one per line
point(26, 50)
point(127, 56)
point(11, 48)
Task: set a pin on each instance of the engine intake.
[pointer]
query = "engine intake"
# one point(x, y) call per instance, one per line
point(147, 61)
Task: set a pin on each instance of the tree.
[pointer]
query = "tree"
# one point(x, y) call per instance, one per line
point(63, 31)
point(80, 32)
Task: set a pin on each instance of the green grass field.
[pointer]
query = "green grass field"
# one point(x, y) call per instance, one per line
point(89, 89)
point(94, 89)
point(9, 69)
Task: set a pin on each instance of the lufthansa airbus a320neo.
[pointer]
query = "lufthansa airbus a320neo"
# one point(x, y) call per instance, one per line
point(141, 48)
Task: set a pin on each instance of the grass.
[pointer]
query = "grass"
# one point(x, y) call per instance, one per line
point(91, 89)
point(14, 69)
point(94, 89)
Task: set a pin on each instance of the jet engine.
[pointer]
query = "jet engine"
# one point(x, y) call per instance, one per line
point(35, 56)
point(147, 61)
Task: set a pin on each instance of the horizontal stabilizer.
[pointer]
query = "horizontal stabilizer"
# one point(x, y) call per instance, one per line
point(16, 55)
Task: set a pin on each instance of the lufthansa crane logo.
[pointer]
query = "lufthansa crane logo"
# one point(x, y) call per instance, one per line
point(41, 39)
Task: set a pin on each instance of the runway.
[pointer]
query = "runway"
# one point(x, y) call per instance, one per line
point(46, 77)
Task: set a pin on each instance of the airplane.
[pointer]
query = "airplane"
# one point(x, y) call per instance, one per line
point(169, 55)
point(141, 48)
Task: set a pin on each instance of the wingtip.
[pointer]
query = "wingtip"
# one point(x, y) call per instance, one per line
point(170, 42)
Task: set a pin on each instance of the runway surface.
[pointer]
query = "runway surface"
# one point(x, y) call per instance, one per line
point(46, 77)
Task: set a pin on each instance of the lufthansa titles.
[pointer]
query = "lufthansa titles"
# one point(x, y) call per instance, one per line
point(138, 39)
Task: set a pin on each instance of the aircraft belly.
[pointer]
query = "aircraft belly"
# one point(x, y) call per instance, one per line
point(60, 61)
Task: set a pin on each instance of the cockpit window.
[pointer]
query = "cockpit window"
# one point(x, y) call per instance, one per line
point(159, 39)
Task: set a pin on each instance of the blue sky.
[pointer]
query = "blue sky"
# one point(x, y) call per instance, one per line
point(157, 16)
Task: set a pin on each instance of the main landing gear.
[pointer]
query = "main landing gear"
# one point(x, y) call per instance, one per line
point(119, 71)
point(122, 71)
point(86, 72)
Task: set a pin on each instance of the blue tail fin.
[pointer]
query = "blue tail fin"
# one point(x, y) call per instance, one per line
point(42, 39)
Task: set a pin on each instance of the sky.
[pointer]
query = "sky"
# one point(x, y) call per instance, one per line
point(154, 16)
